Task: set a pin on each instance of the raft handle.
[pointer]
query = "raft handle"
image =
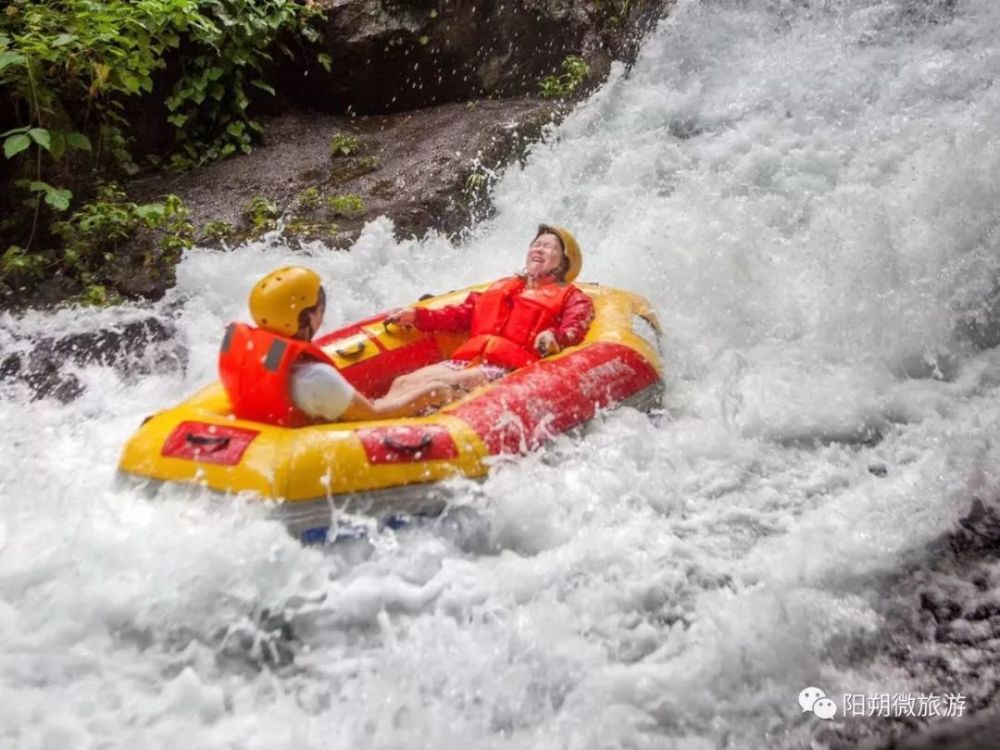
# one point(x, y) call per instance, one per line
point(395, 443)
point(217, 442)
point(351, 351)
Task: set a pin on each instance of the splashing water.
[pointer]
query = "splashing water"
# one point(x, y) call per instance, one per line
point(808, 192)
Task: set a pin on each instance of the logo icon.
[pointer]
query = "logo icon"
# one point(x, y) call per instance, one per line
point(815, 700)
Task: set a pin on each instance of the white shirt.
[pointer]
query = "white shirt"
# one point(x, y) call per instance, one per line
point(320, 391)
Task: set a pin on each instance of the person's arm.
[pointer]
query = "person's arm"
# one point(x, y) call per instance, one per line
point(320, 391)
point(450, 318)
point(572, 326)
point(577, 315)
point(361, 408)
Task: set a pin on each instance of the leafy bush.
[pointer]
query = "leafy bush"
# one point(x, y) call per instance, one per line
point(348, 206)
point(70, 66)
point(262, 214)
point(92, 235)
point(309, 198)
point(344, 145)
point(575, 71)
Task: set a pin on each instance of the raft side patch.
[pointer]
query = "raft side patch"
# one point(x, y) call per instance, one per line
point(407, 444)
point(208, 443)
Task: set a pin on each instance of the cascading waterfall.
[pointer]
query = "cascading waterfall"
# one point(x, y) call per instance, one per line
point(809, 193)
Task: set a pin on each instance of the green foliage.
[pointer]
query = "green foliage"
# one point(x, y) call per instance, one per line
point(309, 199)
point(356, 166)
point(69, 67)
point(348, 206)
point(301, 229)
point(18, 265)
point(93, 234)
point(216, 231)
point(575, 71)
point(71, 62)
point(344, 145)
point(98, 295)
point(613, 12)
point(209, 103)
point(476, 182)
point(262, 214)
point(368, 164)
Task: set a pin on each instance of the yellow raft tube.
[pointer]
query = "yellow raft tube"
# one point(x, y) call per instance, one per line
point(389, 467)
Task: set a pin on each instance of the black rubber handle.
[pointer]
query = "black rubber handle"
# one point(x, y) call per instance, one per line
point(396, 444)
point(352, 351)
point(217, 442)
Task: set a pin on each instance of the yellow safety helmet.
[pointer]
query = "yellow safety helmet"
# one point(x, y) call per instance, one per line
point(571, 249)
point(277, 300)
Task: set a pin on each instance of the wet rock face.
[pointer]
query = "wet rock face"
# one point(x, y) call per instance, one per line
point(394, 55)
point(942, 628)
point(138, 347)
point(428, 169)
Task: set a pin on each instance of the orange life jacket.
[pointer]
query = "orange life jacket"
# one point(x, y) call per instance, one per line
point(507, 318)
point(255, 367)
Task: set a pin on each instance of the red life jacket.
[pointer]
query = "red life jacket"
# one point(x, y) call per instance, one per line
point(507, 318)
point(255, 367)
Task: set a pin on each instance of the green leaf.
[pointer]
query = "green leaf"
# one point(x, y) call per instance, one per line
point(177, 120)
point(42, 137)
point(25, 129)
point(78, 141)
point(150, 211)
point(15, 144)
point(236, 129)
point(132, 83)
point(58, 144)
point(10, 58)
point(63, 39)
point(325, 60)
point(263, 87)
point(58, 198)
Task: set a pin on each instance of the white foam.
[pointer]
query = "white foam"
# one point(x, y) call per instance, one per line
point(808, 194)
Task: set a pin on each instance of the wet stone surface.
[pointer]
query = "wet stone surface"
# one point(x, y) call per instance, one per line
point(133, 348)
point(942, 627)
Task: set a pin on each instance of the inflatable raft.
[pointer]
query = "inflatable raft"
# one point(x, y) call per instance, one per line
point(389, 467)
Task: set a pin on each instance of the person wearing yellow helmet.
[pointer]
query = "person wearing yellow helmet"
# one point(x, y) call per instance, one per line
point(515, 322)
point(275, 374)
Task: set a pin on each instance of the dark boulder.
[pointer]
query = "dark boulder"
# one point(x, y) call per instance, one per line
point(133, 348)
point(390, 56)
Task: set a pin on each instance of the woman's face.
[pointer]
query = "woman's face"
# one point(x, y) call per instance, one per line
point(545, 255)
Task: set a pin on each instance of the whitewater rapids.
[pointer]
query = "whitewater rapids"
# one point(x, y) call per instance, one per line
point(809, 193)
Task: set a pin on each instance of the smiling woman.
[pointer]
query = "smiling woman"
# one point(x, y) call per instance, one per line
point(515, 322)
